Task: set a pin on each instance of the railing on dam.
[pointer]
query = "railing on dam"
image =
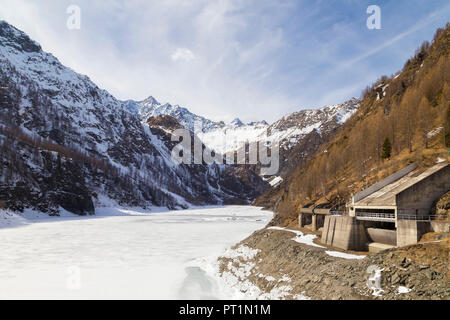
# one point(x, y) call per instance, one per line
point(390, 217)
point(423, 217)
point(375, 216)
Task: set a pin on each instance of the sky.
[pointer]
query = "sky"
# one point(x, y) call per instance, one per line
point(222, 59)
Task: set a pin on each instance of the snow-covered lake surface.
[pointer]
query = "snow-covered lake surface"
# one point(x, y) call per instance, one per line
point(121, 254)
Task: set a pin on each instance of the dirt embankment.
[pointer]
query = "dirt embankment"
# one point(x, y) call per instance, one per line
point(416, 272)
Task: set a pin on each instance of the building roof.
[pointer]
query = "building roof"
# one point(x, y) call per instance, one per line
point(386, 196)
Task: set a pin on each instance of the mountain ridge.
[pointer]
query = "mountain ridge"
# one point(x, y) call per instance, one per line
point(50, 113)
point(312, 125)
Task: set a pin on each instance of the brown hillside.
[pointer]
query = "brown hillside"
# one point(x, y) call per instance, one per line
point(402, 119)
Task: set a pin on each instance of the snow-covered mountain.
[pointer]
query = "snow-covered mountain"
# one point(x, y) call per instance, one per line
point(150, 107)
point(233, 135)
point(293, 127)
point(301, 133)
point(210, 132)
point(298, 134)
point(288, 132)
point(67, 143)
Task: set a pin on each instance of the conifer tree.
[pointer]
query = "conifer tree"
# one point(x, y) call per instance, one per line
point(425, 120)
point(447, 127)
point(387, 149)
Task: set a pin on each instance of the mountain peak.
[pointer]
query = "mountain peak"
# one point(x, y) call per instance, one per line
point(237, 122)
point(258, 123)
point(151, 101)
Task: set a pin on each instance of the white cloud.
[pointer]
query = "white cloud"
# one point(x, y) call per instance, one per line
point(222, 49)
point(183, 54)
point(253, 59)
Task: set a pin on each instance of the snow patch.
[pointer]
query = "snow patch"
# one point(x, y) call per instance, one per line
point(275, 181)
point(308, 239)
point(244, 252)
point(241, 267)
point(374, 281)
point(300, 237)
point(434, 132)
point(285, 278)
point(402, 290)
point(344, 255)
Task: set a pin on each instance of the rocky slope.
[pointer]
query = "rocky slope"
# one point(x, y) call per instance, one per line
point(290, 270)
point(66, 142)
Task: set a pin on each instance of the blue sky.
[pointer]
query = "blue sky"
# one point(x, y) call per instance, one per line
point(252, 59)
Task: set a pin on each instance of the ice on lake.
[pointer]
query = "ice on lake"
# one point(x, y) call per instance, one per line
point(122, 254)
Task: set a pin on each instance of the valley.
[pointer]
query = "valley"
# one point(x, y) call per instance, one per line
point(97, 205)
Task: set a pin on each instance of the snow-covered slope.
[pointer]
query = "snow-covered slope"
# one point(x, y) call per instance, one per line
point(292, 128)
point(288, 131)
point(301, 133)
point(65, 142)
point(232, 136)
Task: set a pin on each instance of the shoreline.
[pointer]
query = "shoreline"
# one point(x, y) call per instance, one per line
point(271, 264)
point(12, 219)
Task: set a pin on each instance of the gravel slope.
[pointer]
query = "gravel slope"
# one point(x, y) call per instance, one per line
point(415, 272)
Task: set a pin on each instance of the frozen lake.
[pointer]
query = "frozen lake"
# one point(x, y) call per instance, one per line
point(122, 254)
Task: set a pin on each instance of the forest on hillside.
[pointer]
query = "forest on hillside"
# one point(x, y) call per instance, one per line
point(404, 118)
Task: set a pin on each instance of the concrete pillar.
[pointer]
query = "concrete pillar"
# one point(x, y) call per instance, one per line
point(410, 231)
point(328, 230)
point(344, 232)
point(301, 222)
point(314, 222)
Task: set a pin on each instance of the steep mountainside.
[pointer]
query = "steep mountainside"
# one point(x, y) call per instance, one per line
point(66, 142)
point(231, 183)
point(402, 119)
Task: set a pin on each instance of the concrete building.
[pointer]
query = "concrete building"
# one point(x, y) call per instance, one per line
point(393, 212)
